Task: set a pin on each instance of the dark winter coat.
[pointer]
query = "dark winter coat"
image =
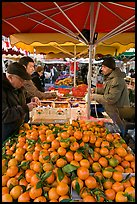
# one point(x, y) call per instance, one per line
point(115, 90)
point(14, 108)
point(37, 81)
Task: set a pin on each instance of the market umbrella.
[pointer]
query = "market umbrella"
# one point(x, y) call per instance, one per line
point(68, 18)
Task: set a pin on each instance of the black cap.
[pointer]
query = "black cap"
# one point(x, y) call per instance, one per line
point(19, 70)
point(109, 62)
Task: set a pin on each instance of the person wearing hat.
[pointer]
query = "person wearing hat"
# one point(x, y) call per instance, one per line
point(30, 87)
point(14, 107)
point(114, 96)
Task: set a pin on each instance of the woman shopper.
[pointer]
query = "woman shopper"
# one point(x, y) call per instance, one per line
point(37, 78)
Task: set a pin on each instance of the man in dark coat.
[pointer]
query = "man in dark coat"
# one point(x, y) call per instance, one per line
point(115, 96)
point(14, 107)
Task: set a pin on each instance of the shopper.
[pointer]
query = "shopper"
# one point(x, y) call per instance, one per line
point(114, 97)
point(37, 78)
point(32, 90)
point(14, 107)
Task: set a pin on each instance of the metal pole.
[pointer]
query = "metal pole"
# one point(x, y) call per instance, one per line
point(90, 60)
point(74, 65)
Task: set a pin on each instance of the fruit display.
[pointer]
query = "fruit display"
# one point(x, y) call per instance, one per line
point(80, 90)
point(67, 81)
point(51, 162)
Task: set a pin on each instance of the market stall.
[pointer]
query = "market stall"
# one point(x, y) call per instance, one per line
point(61, 154)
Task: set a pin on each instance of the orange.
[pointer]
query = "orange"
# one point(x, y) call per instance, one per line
point(33, 180)
point(24, 197)
point(7, 198)
point(105, 144)
point(121, 151)
point(98, 175)
point(50, 138)
point(106, 173)
point(16, 191)
point(117, 176)
point(74, 146)
point(128, 170)
point(126, 184)
point(132, 181)
point(75, 163)
point(118, 186)
point(96, 167)
point(35, 155)
point(37, 167)
point(35, 192)
point(61, 162)
point(29, 156)
point(92, 139)
point(129, 157)
point(84, 163)
point(109, 137)
point(12, 181)
point(64, 135)
point(40, 199)
point(52, 194)
point(90, 182)
point(54, 156)
point(69, 156)
point(55, 144)
point(62, 189)
point(95, 156)
point(89, 198)
point(119, 168)
point(84, 192)
point(82, 173)
point(120, 197)
point(48, 166)
point(63, 197)
point(12, 162)
point(116, 156)
point(104, 151)
point(20, 150)
point(125, 164)
point(12, 171)
point(98, 142)
point(132, 164)
point(5, 178)
point(28, 174)
point(103, 161)
point(85, 138)
point(107, 184)
point(79, 181)
point(110, 194)
point(23, 182)
point(5, 190)
point(78, 156)
point(51, 178)
point(62, 151)
point(78, 135)
point(65, 179)
point(131, 191)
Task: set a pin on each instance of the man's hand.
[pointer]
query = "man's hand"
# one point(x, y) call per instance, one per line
point(36, 100)
point(32, 105)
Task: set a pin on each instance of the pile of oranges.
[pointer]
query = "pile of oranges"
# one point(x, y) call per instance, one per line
point(46, 163)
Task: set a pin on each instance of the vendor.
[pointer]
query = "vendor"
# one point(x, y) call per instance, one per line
point(14, 106)
point(114, 96)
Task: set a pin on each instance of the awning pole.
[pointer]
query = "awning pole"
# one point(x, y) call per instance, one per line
point(74, 65)
point(90, 60)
